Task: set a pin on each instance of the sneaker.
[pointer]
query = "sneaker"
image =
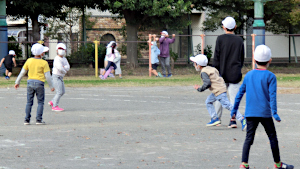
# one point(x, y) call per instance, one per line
point(232, 123)
point(102, 77)
point(213, 122)
point(283, 165)
point(244, 124)
point(57, 109)
point(26, 122)
point(243, 167)
point(164, 76)
point(6, 77)
point(159, 74)
point(121, 77)
point(111, 75)
point(50, 104)
point(169, 75)
point(40, 123)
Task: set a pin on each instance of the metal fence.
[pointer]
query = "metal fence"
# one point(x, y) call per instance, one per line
point(284, 49)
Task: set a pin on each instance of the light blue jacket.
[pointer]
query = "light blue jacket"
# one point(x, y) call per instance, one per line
point(154, 53)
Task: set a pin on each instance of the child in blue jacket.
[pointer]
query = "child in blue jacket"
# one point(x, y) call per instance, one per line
point(154, 57)
point(261, 104)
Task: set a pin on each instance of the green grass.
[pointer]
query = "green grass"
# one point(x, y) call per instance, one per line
point(128, 81)
point(284, 80)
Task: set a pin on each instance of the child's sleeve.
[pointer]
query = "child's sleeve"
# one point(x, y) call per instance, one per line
point(22, 73)
point(273, 96)
point(161, 39)
point(67, 65)
point(217, 55)
point(2, 60)
point(238, 98)
point(206, 82)
point(172, 40)
point(59, 66)
point(49, 79)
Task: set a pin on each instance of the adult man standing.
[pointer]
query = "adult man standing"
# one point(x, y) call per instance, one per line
point(229, 60)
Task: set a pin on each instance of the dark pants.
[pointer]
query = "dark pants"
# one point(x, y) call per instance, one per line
point(165, 62)
point(109, 64)
point(32, 89)
point(252, 123)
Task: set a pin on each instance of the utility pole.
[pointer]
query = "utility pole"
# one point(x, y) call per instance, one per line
point(259, 24)
point(3, 33)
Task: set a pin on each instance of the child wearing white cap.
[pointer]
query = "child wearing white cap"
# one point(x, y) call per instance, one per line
point(8, 61)
point(165, 52)
point(261, 104)
point(229, 60)
point(108, 52)
point(60, 67)
point(38, 71)
point(154, 57)
point(215, 83)
point(112, 58)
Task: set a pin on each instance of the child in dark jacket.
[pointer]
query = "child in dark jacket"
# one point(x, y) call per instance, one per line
point(260, 86)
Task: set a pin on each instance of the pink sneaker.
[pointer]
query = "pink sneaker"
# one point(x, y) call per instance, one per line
point(57, 109)
point(50, 104)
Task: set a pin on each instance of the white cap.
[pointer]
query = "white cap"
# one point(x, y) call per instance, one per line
point(229, 22)
point(37, 49)
point(262, 53)
point(12, 52)
point(165, 32)
point(200, 60)
point(46, 49)
point(110, 43)
point(61, 45)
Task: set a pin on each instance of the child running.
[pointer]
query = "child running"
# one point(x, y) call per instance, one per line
point(60, 68)
point(215, 83)
point(110, 64)
point(154, 57)
point(108, 51)
point(261, 103)
point(38, 71)
point(9, 60)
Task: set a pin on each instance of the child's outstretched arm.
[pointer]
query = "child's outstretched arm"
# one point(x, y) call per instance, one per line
point(173, 39)
point(49, 80)
point(14, 60)
point(18, 80)
point(238, 99)
point(206, 82)
point(273, 97)
point(2, 60)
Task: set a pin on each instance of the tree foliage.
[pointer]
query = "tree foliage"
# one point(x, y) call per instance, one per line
point(277, 14)
point(33, 9)
point(143, 13)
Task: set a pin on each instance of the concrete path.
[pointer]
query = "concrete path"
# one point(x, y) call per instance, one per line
point(154, 127)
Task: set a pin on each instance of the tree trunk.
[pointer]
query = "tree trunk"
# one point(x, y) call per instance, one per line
point(35, 28)
point(132, 55)
point(132, 31)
